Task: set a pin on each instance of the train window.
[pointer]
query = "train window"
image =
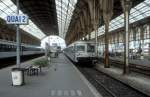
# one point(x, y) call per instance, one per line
point(1, 47)
point(80, 48)
point(4, 46)
point(90, 48)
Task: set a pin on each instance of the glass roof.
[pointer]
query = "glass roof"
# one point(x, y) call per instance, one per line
point(65, 10)
point(7, 7)
point(139, 12)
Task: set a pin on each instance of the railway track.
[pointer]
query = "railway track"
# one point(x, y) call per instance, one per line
point(108, 86)
point(5, 62)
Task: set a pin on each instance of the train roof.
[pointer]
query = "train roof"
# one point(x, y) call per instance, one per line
point(82, 42)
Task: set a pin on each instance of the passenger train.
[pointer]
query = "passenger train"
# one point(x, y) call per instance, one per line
point(81, 51)
point(8, 49)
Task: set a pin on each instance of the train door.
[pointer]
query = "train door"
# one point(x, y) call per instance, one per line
point(91, 47)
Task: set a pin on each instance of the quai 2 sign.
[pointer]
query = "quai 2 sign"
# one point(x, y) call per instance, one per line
point(17, 19)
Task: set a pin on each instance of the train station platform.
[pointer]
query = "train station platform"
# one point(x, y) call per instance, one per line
point(138, 81)
point(60, 79)
point(140, 62)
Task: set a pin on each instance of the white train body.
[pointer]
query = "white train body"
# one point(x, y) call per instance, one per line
point(81, 51)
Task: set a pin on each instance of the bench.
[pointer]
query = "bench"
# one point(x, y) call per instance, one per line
point(32, 70)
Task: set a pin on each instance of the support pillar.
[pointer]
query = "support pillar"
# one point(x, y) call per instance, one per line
point(89, 36)
point(89, 33)
point(126, 4)
point(141, 37)
point(96, 43)
point(107, 65)
point(95, 27)
point(18, 38)
point(107, 6)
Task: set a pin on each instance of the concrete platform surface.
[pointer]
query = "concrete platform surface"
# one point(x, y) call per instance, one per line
point(142, 62)
point(61, 79)
point(138, 81)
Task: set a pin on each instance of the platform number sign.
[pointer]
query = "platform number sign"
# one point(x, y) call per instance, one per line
point(17, 19)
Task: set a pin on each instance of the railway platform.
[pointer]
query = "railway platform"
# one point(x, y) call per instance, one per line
point(60, 79)
point(140, 62)
point(136, 80)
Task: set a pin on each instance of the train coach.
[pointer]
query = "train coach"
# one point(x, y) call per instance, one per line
point(81, 51)
point(8, 49)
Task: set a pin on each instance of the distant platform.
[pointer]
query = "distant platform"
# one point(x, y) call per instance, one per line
point(142, 62)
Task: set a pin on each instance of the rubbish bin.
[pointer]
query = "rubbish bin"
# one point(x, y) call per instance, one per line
point(17, 76)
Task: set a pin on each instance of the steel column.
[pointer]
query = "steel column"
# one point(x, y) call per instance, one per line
point(95, 28)
point(89, 36)
point(17, 38)
point(107, 6)
point(126, 6)
point(106, 46)
point(126, 44)
point(141, 37)
point(96, 42)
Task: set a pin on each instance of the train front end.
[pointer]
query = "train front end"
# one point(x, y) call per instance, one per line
point(85, 53)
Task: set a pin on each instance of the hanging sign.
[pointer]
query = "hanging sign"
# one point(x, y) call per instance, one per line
point(17, 19)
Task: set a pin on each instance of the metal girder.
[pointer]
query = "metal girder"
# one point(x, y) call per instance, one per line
point(87, 4)
point(45, 10)
point(9, 32)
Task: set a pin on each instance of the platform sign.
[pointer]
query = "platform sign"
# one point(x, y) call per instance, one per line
point(17, 19)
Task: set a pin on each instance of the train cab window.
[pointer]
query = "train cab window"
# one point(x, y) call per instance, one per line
point(80, 48)
point(90, 48)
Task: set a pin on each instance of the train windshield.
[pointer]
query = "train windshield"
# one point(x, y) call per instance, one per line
point(80, 48)
point(90, 48)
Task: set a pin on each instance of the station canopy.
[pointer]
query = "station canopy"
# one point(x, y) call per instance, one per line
point(46, 17)
point(7, 7)
point(52, 17)
point(64, 10)
point(137, 13)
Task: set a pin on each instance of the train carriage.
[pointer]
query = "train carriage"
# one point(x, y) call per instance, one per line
point(8, 49)
point(81, 51)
